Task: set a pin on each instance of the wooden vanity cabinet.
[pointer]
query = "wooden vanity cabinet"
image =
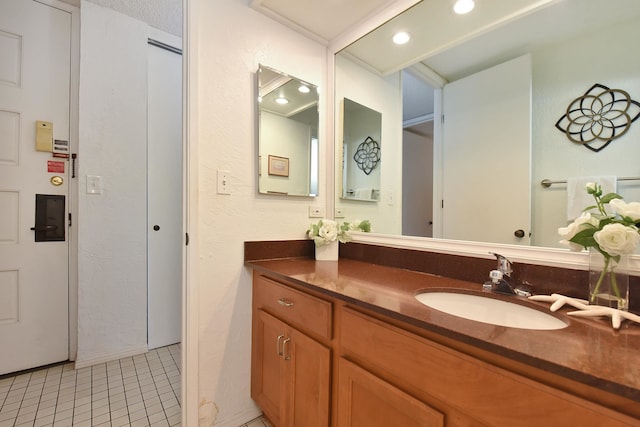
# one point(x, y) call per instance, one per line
point(379, 371)
point(469, 391)
point(290, 372)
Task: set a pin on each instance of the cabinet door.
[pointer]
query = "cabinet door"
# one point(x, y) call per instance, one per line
point(267, 369)
point(365, 400)
point(308, 380)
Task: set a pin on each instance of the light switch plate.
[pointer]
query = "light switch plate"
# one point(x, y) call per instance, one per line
point(94, 184)
point(224, 186)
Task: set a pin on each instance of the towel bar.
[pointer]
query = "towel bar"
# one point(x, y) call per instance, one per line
point(546, 183)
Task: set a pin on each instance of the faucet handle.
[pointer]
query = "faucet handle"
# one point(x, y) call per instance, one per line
point(504, 265)
point(495, 276)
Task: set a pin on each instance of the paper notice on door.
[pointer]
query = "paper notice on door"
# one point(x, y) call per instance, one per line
point(44, 136)
point(55, 167)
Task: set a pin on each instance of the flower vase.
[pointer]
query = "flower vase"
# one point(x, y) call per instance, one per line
point(327, 252)
point(608, 281)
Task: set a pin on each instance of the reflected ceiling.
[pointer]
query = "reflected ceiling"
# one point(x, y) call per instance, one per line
point(301, 106)
point(454, 50)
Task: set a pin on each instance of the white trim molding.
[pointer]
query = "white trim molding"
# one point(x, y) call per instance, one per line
point(551, 257)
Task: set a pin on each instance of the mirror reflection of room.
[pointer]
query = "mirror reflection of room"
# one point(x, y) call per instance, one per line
point(288, 134)
point(446, 52)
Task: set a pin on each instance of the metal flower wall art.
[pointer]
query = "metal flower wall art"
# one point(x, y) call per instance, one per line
point(599, 116)
point(367, 155)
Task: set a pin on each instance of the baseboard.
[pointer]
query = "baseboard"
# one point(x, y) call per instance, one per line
point(241, 419)
point(102, 358)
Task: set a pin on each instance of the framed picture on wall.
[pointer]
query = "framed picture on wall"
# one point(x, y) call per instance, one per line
point(278, 166)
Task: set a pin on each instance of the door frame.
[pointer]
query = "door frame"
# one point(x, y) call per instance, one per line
point(74, 100)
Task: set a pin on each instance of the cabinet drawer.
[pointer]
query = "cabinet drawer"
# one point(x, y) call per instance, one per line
point(365, 400)
point(307, 313)
point(485, 392)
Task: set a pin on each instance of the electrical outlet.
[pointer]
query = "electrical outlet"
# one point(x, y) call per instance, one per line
point(340, 213)
point(316, 212)
point(224, 186)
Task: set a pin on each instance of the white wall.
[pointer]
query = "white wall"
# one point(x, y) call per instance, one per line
point(227, 40)
point(112, 281)
point(385, 96)
point(284, 137)
point(560, 75)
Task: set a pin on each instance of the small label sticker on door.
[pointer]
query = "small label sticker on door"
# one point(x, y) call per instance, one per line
point(60, 148)
point(55, 167)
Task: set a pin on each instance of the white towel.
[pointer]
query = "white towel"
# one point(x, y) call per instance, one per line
point(577, 196)
point(363, 193)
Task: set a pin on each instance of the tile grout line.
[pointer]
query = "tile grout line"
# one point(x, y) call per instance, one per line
point(144, 404)
point(7, 395)
point(57, 393)
point(126, 403)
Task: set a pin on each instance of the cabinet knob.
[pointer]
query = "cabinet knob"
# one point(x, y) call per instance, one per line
point(285, 303)
point(519, 233)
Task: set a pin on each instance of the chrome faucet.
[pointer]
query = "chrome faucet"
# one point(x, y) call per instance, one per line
point(501, 281)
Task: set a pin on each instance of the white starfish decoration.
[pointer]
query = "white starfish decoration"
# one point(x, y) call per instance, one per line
point(587, 310)
point(560, 300)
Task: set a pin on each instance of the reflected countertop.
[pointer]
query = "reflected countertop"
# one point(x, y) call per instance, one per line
point(589, 350)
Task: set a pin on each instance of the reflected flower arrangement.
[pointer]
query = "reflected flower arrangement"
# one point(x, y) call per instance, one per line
point(599, 116)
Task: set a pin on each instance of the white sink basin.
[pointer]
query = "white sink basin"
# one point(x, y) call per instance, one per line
point(490, 310)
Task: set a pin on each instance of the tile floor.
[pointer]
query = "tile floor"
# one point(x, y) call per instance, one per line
point(258, 422)
point(143, 390)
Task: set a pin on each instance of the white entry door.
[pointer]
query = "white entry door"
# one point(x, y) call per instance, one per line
point(487, 155)
point(164, 159)
point(35, 56)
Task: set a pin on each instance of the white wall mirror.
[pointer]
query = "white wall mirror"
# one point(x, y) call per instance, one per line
point(361, 152)
point(584, 42)
point(288, 134)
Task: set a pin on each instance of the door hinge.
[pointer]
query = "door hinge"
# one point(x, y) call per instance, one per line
point(186, 239)
point(70, 219)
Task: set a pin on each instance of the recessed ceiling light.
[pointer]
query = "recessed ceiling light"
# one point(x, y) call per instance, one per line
point(401, 37)
point(463, 6)
point(304, 89)
point(282, 101)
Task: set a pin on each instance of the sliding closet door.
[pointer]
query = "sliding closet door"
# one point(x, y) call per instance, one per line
point(164, 227)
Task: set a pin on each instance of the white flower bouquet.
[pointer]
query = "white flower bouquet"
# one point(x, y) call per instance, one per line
point(326, 231)
point(612, 234)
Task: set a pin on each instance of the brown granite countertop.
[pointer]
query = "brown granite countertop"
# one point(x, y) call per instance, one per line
point(588, 350)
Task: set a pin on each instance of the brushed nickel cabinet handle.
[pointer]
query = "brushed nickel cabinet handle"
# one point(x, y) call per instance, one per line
point(285, 303)
point(284, 349)
point(278, 345)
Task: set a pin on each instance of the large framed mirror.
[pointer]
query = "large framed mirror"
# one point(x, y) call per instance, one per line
point(557, 49)
point(287, 134)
